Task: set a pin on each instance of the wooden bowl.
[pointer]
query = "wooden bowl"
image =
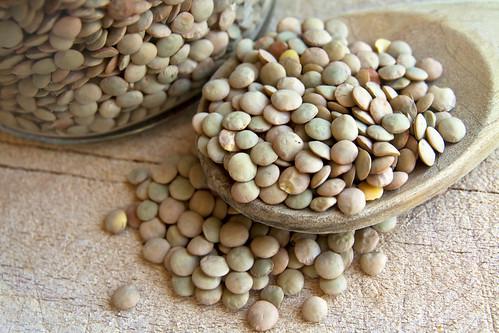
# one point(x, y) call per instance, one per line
point(468, 70)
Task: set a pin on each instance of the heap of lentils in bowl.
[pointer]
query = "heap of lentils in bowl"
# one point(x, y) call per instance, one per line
point(306, 119)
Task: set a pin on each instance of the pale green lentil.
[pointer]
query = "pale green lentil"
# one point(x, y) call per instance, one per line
point(240, 259)
point(182, 263)
point(310, 271)
point(208, 297)
point(280, 261)
point(260, 282)
point(387, 225)
point(333, 286)
point(147, 210)
point(138, 175)
point(262, 267)
point(329, 265)
point(190, 223)
point(233, 234)
point(234, 302)
point(351, 201)
point(451, 129)
point(183, 285)
point(291, 281)
point(341, 242)
point(273, 294)
point(238, 282)
point(203, 281)
point(211, 229)
point(202, 202)
point(259, 229)
point(373, 263)
point(157, 192)
point(299, 201)
point(214, 265)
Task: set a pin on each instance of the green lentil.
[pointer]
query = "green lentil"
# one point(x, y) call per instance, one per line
point(334, 286)
point(291, 281)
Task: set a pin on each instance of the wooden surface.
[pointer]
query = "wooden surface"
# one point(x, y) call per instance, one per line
point(58, 268)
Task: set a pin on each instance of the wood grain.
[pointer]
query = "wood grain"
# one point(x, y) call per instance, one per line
point(58, 268)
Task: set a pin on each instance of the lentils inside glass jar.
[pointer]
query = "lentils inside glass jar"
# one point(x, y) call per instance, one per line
point(78, 68)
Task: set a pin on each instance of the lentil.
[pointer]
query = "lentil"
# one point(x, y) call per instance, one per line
point(125, 297)
point(314, 309)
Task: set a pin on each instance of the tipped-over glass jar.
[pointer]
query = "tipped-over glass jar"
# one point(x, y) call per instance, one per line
point(85, 70)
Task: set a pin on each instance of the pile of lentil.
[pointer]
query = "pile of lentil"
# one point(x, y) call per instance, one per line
point(215, 254)
point(306, 119)
point(76, 67)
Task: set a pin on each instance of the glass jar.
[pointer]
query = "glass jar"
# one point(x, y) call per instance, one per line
point(85, 70)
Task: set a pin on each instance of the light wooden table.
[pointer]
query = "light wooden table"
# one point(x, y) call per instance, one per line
point(58, 268)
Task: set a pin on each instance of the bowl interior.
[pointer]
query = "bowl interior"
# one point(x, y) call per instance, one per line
point(466, 71)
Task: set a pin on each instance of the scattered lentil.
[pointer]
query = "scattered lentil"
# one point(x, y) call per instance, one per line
point(333, 286)
point(314, 309)
point(373, 263)
point(262, 315)
point(116, 221)
point(387, 225)
point(125, 297)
